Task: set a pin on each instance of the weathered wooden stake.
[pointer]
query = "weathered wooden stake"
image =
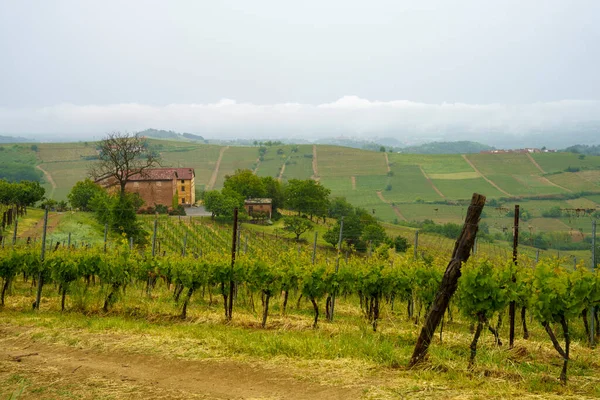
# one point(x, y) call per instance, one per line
point(461, 253)
point(512, 308)
point(38, 296)
point(233, 253)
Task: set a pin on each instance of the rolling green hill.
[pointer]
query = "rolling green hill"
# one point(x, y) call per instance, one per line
point(394, 186)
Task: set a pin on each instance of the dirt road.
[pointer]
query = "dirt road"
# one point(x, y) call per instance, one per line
point(58, 371)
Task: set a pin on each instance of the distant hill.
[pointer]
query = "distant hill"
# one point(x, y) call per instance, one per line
point(171, 135)
point(463, 147)
point(14, 139)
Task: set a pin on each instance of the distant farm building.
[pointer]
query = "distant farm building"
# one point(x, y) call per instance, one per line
point(259, 207)
point(159, 186)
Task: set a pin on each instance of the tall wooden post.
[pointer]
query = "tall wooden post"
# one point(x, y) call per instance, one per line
point(105, 236)
point(416, 244)
point(233, 253)
point(14, 241)
point(513, 305)
point(154, 237)
point(337, 266)
point(38, 296)
point(461, 253)
point(314, 254)
point(592, 309)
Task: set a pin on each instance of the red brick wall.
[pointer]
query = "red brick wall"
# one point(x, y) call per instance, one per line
point(153, 192)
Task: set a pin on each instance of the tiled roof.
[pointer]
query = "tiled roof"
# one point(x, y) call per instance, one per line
point(163, 174)
point(258, 201)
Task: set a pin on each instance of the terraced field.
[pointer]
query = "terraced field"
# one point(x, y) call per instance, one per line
point(394, 186)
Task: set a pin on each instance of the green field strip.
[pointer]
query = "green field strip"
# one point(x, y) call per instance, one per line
point(595, 198)
point(344, 161)
point(582, 202)
point(299, 164)
point(463, 189)
point(60, 152)
point(555, 162)
point(233, 159)
point(577, 181)
point(337, 185)
point(432, 164)
point(517, 185)
point(409, 184)
point(202, 158)
point(510, 164)
point(439, 213)
point(65, 175)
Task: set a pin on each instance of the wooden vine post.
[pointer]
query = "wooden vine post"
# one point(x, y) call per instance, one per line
point(461, 253)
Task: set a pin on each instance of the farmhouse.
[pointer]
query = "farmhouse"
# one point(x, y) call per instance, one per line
point(160, 186)
point(258, 207)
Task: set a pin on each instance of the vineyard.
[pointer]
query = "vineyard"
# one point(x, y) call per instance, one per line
point(188, 269)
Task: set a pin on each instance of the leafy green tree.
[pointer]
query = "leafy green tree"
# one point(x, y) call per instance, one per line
point(274, 191)
point(221, 204)
point(119, 212)
point(374, 233)
point(307, 196)
point(351, 232)
point(296, 225)
point(400, 244)
point(82, 193)
point(246, 184)
point(339, 207)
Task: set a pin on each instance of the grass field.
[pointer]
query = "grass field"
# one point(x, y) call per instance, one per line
point(554, 162)
point(141, 349)
point(236, 158)
point(345, 161)
point(202, 158)
point(433, 164)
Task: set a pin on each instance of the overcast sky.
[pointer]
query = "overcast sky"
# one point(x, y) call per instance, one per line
point(314, 68)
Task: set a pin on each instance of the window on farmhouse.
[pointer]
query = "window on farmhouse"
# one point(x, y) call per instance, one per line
point(183, 188)
point(182, 181)
point(182, 201)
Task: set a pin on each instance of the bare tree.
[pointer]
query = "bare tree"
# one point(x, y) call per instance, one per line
point(121, 156)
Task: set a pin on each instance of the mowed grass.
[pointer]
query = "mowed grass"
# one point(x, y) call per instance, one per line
point(554, 162)
point(344, 161)
point(82, 226)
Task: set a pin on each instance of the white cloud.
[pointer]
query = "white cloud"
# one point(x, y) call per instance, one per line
point(349, 115)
